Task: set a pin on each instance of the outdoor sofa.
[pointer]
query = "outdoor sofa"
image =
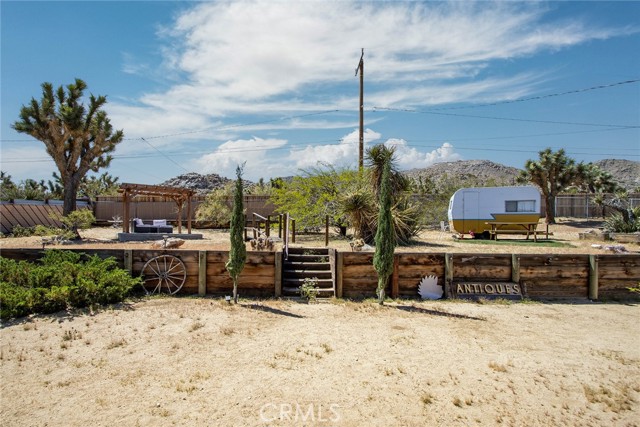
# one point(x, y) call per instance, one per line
point(151, 226)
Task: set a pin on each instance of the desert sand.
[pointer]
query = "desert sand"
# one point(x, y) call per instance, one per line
point(191, 361)
point(202, 362)
point(565, 232)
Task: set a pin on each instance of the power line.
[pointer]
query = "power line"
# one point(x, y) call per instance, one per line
point(165, 156)
point(227, 127)
point(336, 142)
point(428, 111)
point(212, 128)
point(407, 110)
point(539, 97)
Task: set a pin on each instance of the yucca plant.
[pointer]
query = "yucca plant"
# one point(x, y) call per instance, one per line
point(617, 223)
point(359, 207)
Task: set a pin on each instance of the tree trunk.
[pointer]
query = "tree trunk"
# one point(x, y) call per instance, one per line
point(381, 296)
point(235, 291)
point(70, 192)
point(550, 209)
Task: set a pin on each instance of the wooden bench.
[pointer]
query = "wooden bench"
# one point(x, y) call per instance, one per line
point(534, 233)
point(526, 228)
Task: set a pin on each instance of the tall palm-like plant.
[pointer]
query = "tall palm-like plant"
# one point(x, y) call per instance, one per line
point(377, 156)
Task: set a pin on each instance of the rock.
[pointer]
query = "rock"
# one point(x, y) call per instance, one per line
point(170, 243)
point(202, 184)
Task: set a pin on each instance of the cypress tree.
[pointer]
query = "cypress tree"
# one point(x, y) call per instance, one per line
point(385, 240)
point(238, 251)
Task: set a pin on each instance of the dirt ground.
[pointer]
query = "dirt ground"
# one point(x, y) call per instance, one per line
point(566, 232)
point(202, 362)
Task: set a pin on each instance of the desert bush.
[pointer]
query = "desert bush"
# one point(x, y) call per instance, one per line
point(309, 289)
point(619, 223)
point(60, 280)
point(36, 230)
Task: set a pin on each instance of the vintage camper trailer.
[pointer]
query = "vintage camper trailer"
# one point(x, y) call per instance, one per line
point(471, 208)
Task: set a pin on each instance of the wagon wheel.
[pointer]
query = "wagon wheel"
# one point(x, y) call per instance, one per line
point(164, 273)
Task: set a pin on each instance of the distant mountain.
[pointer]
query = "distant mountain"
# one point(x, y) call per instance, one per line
point(625, 172)
point(468, 170)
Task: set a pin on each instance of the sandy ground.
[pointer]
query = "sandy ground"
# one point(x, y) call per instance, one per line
point(201, 362)
point(564, 232)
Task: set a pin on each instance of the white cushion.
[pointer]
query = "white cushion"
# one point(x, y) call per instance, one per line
point(139, 221)
point(159, 222)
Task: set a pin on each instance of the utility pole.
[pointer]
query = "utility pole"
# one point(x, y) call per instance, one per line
point(361, 134)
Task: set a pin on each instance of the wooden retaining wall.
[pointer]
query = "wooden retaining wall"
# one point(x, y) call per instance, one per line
point(257, 279)
point(540, 276)
point(602, 277)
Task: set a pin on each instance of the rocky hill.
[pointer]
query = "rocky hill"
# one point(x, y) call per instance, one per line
point(625, 172)
point(472, 172)
point(478, 171)
point(202, 184)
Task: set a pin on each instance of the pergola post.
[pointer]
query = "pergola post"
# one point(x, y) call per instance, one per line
point(179, 195)
point(189, 214)
point(125, 213)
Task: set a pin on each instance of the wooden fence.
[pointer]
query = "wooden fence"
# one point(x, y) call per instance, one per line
point(604, 276)
point(27, 213)
point(105, 208)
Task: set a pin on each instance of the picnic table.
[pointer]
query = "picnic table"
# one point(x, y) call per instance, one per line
point(528, 228)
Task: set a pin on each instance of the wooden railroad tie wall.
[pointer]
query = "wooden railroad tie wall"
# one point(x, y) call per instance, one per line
point(257, 279)
point(540, 276)
point(602, 277)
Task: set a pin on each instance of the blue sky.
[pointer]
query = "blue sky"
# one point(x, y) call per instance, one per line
point(204, 86)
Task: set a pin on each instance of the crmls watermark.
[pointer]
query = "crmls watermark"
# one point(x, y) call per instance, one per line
point(300, 412)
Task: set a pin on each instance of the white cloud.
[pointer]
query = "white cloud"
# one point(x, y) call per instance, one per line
point(409, 157)
point(342, 154)
point(265, 57)
point(27, 161)
point(254, 153)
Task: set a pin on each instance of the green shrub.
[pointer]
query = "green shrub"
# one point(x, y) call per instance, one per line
point(20, 231)
point(309, 289)
point(36, 230)
point(60, 280)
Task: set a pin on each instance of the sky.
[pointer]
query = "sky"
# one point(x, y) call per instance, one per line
point(207, 86)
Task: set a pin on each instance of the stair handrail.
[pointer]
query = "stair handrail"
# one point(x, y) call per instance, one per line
point(285, 245)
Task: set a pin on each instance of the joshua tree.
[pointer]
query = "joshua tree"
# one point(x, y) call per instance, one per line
point(552, 174)
point(79, 139)
point(238, 252)
point(385, 237)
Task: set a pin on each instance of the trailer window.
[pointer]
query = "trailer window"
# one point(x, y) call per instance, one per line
point(520, 206)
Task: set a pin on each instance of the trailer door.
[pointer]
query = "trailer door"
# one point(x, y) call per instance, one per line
point(470, 210)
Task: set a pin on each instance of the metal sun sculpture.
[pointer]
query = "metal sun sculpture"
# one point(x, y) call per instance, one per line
point(429, 288)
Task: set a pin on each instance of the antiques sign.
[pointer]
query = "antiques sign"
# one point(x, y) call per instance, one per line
point(488, 290)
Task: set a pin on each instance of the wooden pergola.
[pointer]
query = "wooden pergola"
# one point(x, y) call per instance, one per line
point(179, 195)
